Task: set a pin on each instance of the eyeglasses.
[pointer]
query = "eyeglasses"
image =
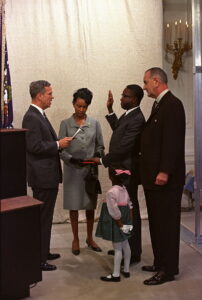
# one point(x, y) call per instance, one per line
point(126, 96)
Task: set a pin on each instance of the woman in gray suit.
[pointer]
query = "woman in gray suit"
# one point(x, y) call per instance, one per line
point(88, 141)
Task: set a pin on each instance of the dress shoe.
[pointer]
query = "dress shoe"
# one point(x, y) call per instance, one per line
point(159, 278)
point(76, 252)
point(75, 248)
point(110, 252)
point(97, 249)
point(150, 268)
point(110, 278)
point(52, 256)
point(47, 267)
point(125, 274)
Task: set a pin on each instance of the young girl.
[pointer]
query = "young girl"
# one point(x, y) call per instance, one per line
point(115, 223)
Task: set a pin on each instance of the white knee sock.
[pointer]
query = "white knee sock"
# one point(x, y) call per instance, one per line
point(117, 258)
point(126, 255)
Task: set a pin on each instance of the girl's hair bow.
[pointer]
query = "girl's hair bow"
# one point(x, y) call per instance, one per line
point(119, 171)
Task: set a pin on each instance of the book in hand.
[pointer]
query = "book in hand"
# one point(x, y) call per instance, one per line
point(87, 162)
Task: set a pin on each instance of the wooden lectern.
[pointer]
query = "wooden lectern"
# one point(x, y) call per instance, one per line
point(20, 231)
point(20, 251)
point(12, 163)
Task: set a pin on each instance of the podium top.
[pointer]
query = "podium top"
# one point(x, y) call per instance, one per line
point(8, 130)
point(16, 203)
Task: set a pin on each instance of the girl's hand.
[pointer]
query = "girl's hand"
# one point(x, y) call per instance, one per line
point(119, 223)
point(127, 229)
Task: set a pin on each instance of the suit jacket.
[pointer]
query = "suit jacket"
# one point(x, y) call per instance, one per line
point(125, 141)
point(43, 163)
point(162, 144)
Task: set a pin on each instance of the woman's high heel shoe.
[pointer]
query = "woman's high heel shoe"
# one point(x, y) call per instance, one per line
point(75, 250)
point(97, 249)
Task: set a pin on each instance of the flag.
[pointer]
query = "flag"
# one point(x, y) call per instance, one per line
point(6, 106)
point(7, 94)
point(1, 63)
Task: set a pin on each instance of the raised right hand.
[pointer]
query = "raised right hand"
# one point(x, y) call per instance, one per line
point(110, 102)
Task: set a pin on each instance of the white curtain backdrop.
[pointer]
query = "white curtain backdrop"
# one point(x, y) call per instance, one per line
point(99, 44)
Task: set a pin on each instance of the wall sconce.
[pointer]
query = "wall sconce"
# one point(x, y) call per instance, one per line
point(178, 40)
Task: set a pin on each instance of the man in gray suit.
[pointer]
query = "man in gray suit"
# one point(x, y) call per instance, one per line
point(43, 164)
point(123, 152)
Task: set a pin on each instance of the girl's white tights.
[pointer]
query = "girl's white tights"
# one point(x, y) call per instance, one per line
point(119, 248)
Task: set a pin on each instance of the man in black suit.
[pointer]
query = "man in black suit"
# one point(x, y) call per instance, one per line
point(43, 164)
point(123, 152)
point(162, 168)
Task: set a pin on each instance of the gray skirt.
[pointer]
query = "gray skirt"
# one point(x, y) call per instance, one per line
point(74, 185)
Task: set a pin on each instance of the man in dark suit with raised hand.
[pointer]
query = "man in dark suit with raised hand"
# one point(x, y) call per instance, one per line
point(162, 168)
point(124, 150)
point(44, 171)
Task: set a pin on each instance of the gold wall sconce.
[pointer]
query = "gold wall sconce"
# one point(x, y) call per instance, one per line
point(178, 40)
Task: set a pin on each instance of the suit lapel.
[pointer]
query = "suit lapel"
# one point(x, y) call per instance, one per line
point(45, 121)
point(154, 111)
point(125, 116)
point(120, 119)
point(50, 127)
point(161, 102)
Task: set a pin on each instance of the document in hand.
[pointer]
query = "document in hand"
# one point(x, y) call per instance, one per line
point(80, 129)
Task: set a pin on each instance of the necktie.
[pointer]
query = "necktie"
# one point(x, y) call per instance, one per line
point(45, 115)
point(50, 126)
point(47, 121)
point(154, 106)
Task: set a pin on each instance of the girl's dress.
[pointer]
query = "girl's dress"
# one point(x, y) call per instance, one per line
point(117, 206)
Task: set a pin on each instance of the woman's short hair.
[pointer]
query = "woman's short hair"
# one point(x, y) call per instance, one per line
point(84, 94)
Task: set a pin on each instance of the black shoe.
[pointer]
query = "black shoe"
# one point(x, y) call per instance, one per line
point(76, 252)
point(125, 274)
point(52, 256)
point(110, 278)
point(97, 249)
point(47, 267)
point(150, 268)
point(110, 252)
point(159, 278)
